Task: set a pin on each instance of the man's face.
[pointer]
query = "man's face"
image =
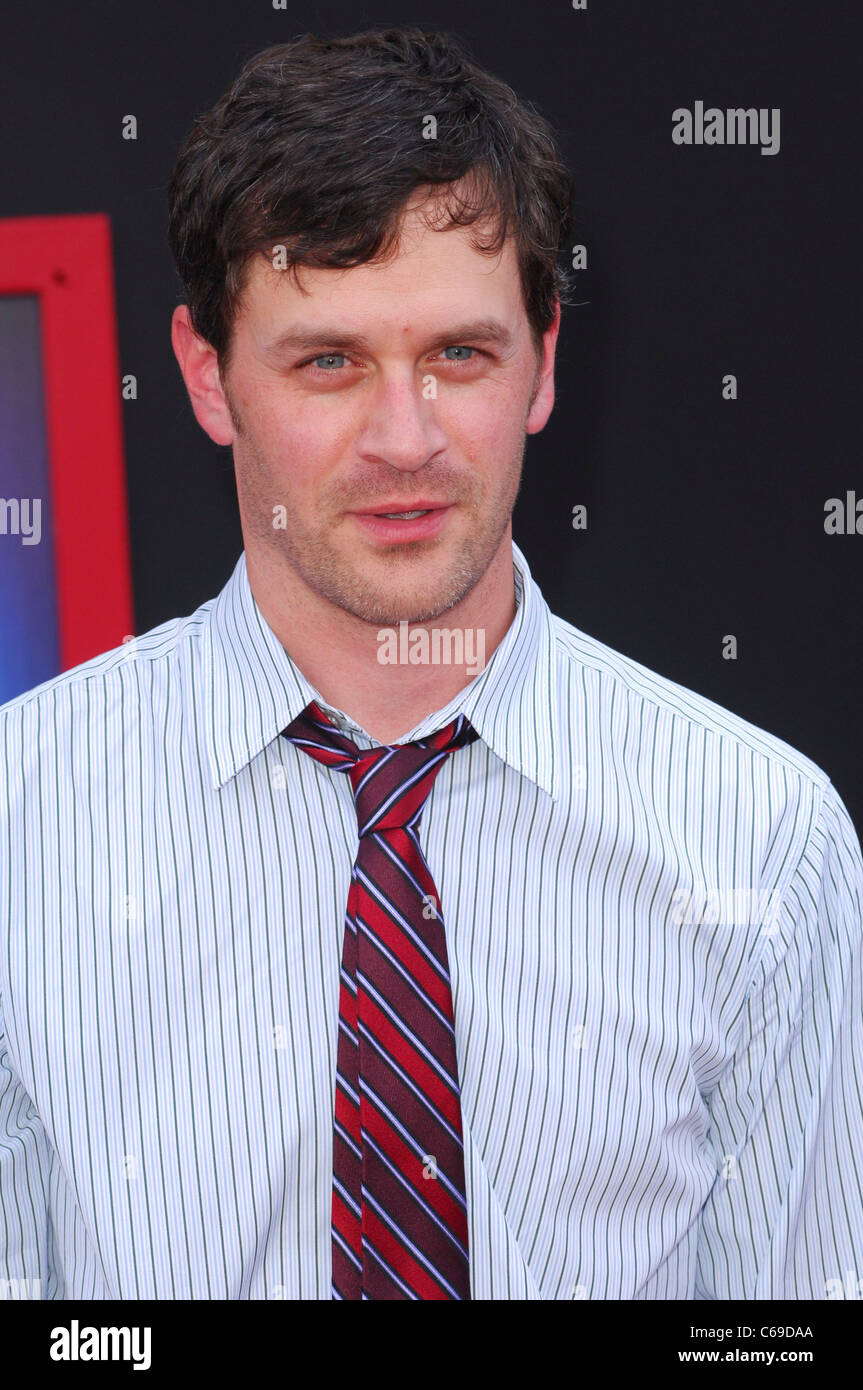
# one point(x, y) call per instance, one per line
point(382, 388)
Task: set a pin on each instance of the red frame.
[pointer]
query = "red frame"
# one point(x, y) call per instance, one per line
point(68, 262)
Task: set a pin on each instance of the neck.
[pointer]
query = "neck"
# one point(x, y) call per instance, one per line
point(427, 663)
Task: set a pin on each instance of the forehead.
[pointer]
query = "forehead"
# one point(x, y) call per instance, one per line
point(430, 271)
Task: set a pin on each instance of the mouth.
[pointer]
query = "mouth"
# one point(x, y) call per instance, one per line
point(398, 524)
point(404, 516)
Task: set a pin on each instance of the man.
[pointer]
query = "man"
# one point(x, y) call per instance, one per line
point(329, 969)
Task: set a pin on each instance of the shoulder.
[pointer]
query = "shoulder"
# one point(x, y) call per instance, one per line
point(704, 777)
point(604, 670)
point(89, 706)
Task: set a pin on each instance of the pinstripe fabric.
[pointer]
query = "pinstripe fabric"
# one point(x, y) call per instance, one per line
point(657, 1102)
point(399, 1207)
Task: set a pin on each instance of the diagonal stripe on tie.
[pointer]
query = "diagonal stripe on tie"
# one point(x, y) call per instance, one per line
point(368, 891)
point(430, 1149)
point(390, 1125)
point(397, 898)
point(408, 1259)
point(387, 1039)
point(397, 958)
point(418, 1228)
point(437, 1133)
point(391, 1154)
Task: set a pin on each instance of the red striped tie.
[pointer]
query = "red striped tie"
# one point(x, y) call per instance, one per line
point(399, 1216)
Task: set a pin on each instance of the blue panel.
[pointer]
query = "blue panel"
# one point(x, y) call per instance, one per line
point(29, 645)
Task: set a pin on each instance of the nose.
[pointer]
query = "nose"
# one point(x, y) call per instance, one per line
point(402, 427)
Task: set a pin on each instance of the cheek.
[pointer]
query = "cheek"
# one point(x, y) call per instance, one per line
point(303, 442)
point(485, 431)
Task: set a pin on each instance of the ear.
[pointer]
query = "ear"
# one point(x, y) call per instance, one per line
point(543, 391)
point(200, 368)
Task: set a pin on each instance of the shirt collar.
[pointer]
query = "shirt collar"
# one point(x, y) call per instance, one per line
point(253, 689)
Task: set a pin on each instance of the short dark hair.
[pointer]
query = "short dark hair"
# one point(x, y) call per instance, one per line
point(318, 144)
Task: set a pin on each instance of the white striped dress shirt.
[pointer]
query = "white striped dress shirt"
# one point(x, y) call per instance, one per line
point(653, 915)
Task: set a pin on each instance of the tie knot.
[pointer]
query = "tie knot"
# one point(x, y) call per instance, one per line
point(390, 782)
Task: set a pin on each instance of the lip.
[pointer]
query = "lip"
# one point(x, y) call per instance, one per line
point(380, 528)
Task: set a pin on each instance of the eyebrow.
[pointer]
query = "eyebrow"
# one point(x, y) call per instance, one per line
point(303, 337)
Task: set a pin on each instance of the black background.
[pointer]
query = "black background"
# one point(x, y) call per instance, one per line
point(705, 516)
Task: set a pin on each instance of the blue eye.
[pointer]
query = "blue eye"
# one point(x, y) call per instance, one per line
point(328, 357)
point(457, 348)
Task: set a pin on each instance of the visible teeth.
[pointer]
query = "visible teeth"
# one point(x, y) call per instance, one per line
point(404, 516)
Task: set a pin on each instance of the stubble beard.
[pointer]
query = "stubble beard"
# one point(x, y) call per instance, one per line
point(415, 582)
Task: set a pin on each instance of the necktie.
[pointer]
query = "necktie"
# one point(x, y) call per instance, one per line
point(399, 1214)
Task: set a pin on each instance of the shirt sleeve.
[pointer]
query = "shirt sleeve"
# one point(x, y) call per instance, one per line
point(24, 1263)
point(784, 1218)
